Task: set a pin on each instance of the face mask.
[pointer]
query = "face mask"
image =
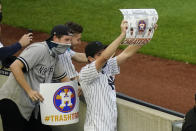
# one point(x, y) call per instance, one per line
point(60, 48)
point(1, 17)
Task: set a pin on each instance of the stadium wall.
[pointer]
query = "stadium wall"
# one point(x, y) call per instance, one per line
point(133, 115)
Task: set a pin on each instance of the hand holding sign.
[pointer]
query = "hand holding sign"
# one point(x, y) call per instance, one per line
point(61, 103)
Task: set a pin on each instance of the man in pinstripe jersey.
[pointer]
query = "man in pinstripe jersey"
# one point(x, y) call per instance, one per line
point(69, 54)
point(97, 82)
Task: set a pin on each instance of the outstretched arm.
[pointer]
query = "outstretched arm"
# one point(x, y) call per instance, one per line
point(110, 50)
point(12, 49)
point(7, 51)
point(80, 57)
point(130, 51)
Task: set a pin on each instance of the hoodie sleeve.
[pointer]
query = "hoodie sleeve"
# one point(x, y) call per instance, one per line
point(9, 50)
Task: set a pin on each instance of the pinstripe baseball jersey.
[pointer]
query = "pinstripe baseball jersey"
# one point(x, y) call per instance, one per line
point(67, 63)
point(100, 95)
point(40, 67)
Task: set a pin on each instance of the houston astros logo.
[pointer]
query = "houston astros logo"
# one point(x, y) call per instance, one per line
point(64, 99)
point(141, 25)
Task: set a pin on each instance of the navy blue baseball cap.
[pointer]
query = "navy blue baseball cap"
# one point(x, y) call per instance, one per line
point(60, 30)
point(94, 47)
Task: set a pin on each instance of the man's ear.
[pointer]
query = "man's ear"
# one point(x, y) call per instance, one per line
point(55, 38)
point(90, 59)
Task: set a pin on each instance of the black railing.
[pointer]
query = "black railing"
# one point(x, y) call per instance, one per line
point(140, 102)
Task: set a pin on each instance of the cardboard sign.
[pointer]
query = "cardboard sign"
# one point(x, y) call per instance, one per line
point(141, 23)
point(61, 103)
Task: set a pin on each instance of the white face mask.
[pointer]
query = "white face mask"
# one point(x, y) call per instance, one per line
point(60, 48)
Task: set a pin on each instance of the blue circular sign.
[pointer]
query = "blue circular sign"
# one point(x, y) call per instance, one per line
point(65, 99)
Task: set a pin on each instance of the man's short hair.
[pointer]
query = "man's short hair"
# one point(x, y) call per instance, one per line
point(74, 27)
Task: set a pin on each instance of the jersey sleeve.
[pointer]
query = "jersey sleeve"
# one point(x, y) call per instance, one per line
point(88, 74)
point(59, 71)
point(72, 53)
point(68, 65)
point(113, 68)
point(31, 56)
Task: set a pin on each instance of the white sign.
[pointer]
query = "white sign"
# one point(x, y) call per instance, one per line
point(141, 23)
point(61, 103)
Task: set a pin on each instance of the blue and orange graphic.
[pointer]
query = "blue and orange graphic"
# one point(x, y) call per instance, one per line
point(65, 99)
point(142, 25)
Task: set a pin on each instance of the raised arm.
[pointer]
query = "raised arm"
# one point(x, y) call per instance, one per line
point(7, 51)
point(130, 51)
point(16, 69)
point(12, 49)
point(110, 50)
